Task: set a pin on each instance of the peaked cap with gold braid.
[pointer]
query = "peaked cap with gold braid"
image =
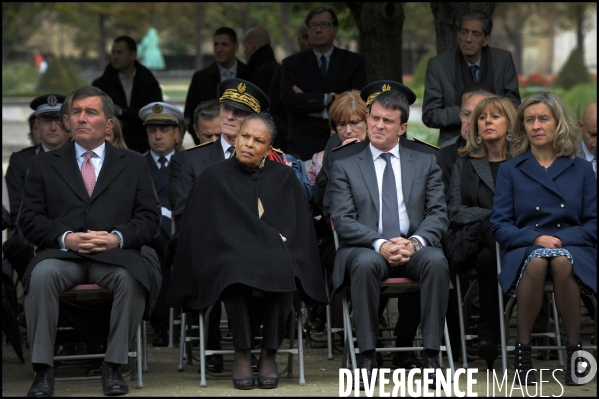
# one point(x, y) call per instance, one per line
point(244, 95)
point(373, 89)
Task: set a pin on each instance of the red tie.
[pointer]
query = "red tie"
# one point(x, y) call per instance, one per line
point(88, 172)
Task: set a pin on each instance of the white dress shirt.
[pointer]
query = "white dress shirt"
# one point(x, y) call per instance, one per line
point(379, 166)
point(127, 85)
point(157, 157)
point(225, 144)
point(227, 73)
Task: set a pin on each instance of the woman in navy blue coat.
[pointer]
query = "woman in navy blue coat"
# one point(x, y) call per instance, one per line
point(545, 220)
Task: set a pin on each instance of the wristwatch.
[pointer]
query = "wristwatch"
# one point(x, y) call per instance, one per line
point(416, 243)
point(119, 238)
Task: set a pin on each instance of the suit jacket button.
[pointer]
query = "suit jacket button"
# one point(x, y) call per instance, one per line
point(537, 225)
point(559, 225)
point(537, 208)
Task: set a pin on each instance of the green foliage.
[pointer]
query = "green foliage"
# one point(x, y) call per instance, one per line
point(573, 72)
point(19, 78)
point(61, 77)
point(420, 71)
point(579, 97)
point(422, 132)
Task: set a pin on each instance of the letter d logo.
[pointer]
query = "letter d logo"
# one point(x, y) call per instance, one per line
point(579, 368)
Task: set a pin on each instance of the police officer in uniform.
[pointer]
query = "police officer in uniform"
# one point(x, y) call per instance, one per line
point(162, 125)
point(18, 251)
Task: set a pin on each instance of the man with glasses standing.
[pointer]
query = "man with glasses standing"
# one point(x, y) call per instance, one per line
point(312, 79)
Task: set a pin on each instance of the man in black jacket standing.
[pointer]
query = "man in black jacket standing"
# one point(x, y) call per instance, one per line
point(131, 86)
point(260, 57)
point(204, 83)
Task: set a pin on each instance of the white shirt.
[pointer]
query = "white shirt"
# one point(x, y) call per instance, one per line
point(379, 167)
point(589, 157)
point(225, 144)
point(477, 63)
point(227, 73)
point(127, 85)
point(156, 157)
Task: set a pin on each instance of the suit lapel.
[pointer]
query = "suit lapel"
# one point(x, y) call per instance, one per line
point(483, 170)
point(67, 168)
point(159, 179)
point(366, 165)
point(111, 168)
point(311, 65)
point(217, 153)
point(530, 166)
point(407, 172)
point(334, 70)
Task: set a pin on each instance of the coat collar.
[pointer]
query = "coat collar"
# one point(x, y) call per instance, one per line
point(529, 165)
point(483, 170)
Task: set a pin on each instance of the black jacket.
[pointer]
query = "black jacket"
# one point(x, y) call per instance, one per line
point(146, 90)
point(261, 68)
point(204, 87)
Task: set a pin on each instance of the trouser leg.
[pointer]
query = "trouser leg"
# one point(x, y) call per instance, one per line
point(48, 279)
point(129, 302)
point(237, 299)
point(488, 324)
point(276, 309)
point(214, 335)
point(367, 269)
point(408, 320)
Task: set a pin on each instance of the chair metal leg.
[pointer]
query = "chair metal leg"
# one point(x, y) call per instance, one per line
point(171, 328)
point(349, 342)
point(462, 321)
point(140, 383)
point(202, 351)
point(182, 342)
point(145, 347)
point(300, 350)
point(448, 350)
point(558, 338)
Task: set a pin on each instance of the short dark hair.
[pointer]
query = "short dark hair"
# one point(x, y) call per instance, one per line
point(227, 31)
point(318, 10)
point(31, 121)
point(267, 120)
point(393, 100)
point(477, 16)
point(207, 110)
point(92, 91)
point(131, 45)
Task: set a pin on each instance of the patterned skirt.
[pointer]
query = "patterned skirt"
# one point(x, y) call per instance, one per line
point(547, 253)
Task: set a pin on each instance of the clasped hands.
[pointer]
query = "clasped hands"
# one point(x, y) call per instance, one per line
point(548, 242)
point(397, 251)
point(91, 241)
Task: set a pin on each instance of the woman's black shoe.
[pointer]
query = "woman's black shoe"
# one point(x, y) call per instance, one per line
point(268, 382)
point(523, 364)
point(487, 350)
point(244, 383)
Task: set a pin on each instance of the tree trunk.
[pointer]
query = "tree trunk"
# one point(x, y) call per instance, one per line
point(580, 28)
point(380, 26)
point(102, 58)
point(516, 39)
point(288, 30)
point(199, 61)
point(446, 21)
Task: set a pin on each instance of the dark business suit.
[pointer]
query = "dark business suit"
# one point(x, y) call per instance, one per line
point(204, 87)
point(355, 213)
point(346, 71)
point(55, 201)
point(560, 201)
point(440, 109)
point(161, 185)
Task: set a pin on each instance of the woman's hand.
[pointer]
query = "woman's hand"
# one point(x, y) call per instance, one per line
point(548, 242)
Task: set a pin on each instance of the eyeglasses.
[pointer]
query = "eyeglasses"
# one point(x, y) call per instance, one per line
point(465, 115)
point(237, 113)
point(322, 25)
point(353, 124)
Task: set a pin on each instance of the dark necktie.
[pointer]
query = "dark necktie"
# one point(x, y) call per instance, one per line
point(231, 151)
point(473, 70)
point(162, 161)
point(323, 65)
point(390, 211)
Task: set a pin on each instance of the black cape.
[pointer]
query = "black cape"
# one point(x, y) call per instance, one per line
point(223, 241)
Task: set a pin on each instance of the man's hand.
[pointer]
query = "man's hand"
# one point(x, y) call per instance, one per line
point(396, 251)
point(297, 89)
point(91, 241)
point(548, 242)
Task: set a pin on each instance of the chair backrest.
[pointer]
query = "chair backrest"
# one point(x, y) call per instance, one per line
point(83, 292)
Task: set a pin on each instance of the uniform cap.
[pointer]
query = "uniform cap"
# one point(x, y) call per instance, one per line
point(159, 113)
point(244, 95)
point(47, 105)
point(373, 89)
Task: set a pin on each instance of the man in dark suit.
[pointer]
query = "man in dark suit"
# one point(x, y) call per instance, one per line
point(261, 62)
point(473, 61)
point(17, 250)
point(162, 124)
point(239, 98)
point(312, 79)
point(587, 146)
point(89, 208)
point(389, 213)
point(204, 83)
point(130, 85)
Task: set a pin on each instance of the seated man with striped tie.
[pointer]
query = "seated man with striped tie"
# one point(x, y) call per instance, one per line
point(89, 208)
point(388, 209)
point(162, 125)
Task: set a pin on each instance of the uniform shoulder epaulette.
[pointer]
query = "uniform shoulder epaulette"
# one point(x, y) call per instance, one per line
point(201, 145)
point(424, 142)
point(278, 150)
point(26, 149)
point(345, 145)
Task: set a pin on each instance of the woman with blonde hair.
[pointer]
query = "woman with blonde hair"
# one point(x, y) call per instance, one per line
point(471, 243)
point(545, 220)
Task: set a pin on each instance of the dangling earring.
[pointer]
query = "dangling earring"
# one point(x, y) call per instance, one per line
point(478, 140)
point(508, 137)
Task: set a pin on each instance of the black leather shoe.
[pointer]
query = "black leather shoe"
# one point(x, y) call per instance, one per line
point(214, 363)
point(432, 363)
point(487, 350)
point(365, 363)
point(43, 384)
point(268, 382)
point(406, 360)
point(113, 383)
point(244, 383)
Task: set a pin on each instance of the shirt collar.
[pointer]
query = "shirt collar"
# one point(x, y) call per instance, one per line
point(156, 157)
point(99, 151)
point(222, 70)
point(477, 63)
point(377, 153)
point(44, 148)
point(122, 76)
point(224, 144)
point(327, 54)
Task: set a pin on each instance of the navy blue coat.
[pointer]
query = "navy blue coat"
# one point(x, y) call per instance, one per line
point(531, 201)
